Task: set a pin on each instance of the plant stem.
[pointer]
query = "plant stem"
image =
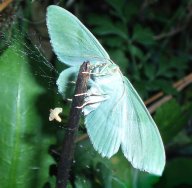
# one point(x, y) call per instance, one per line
point(68, 146)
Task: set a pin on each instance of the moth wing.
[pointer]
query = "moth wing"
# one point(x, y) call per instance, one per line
point(141, 141)
point(65, 77)
point(72, 42)
point(103, 124)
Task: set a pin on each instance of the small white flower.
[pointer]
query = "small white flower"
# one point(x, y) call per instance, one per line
point(54, 114)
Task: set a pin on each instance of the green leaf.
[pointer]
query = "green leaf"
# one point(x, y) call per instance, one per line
point(177, 173)
point(24, 159)
point(163, 66)
point(161, 84)
point(129, 177)
point(167, 119)
point(114, 42)
point(82, 182)
point(146, 180)
point(118, 56)
point(150, 71)
point(130, 10)
point(85, 156)
point(173, 67)
point(107, 173)
point(143, 35)
point(95, 20)
point(106, 26)
point(124, 177)
point(104, 175)
point(117, 6)
point(135, 51)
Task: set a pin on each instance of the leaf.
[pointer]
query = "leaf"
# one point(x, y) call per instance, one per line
point(114, 42)
point(24, 158)
point(105, 171)
point(118, 56)
point(130, 10)
point(173, 67)
point(167, 118)
point(104, 175)
point(111, 28)
point(95, 20)
point(177, 174)
point(107, 26)
point(116, 4)
point(162, 84)
point(145, 180)
point(85, 156)
point(119, 162)
point(118, 7)
point(150, 71)
point(127, 176)
point(135, 51)
point(143, 35)
point(82, 182)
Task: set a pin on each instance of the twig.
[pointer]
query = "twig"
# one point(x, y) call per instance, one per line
point(186, 80)
point(171, 33)
point(180, 85)
point(177, 29)
point(4, 4)
point(67, 152)
point(81, 138)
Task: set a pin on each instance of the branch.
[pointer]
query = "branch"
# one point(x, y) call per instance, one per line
point(171, 33)
point(4, 4)
point(67, 152)
point(179, 85)
point(185, 23)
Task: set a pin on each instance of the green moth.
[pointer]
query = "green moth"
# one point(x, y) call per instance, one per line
point(115, 115)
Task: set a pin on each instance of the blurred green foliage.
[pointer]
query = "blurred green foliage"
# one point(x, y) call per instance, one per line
point(151, 42)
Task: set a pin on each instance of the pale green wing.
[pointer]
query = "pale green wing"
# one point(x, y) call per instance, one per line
point(123, 119)
point(72, 42)
point(141, 142)
point(65, 79)
point(104, 123)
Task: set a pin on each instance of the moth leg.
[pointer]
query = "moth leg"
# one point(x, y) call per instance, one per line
point(87, 94)
point(97, 94)
point(54, 114)
point(72, 82)
point(77, 95)
point(86, 73)
point(83, 105)
point(91, 101)
point(86, 103)
point(80, 94)
point(93, 73)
